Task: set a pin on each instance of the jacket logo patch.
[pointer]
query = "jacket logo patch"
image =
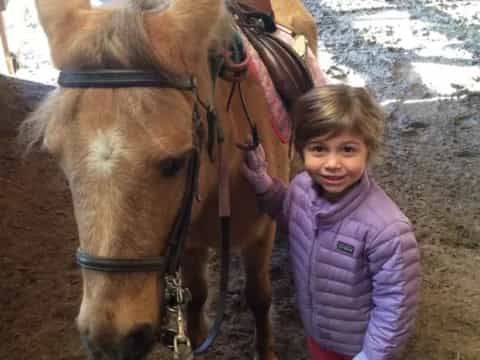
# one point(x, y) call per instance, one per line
point(345, 248)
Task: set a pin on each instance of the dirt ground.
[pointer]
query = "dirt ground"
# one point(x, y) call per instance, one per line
point(430, 166)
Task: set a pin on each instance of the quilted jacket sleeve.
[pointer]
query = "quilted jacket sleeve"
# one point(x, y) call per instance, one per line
point(275, 202)
point(395, 269)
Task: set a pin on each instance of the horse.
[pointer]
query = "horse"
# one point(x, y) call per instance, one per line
point(126, 153)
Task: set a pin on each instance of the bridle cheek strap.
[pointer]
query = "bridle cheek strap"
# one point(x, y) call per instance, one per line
point(179, 233)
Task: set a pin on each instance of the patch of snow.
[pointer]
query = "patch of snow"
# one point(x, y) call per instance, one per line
point(28, 42)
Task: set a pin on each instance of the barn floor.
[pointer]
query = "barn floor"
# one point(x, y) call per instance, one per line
point(422, 59)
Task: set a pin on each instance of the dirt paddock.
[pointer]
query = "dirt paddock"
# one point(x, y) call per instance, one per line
point(430, 166)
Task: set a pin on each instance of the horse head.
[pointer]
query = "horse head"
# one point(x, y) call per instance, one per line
point(126, 152)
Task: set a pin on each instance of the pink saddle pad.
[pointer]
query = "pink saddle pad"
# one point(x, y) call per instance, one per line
point(280, 118)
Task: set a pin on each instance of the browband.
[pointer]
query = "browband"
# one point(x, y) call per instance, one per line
point(121, 78)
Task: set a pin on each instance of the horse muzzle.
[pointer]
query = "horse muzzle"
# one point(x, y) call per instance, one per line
point(102, 344)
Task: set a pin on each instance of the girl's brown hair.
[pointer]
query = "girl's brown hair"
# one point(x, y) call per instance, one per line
point(331, 109)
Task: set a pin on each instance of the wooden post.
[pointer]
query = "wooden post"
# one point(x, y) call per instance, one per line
point(3, 40)
point(3, 4)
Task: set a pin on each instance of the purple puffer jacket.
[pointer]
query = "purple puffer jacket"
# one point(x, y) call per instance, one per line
point(355, 264)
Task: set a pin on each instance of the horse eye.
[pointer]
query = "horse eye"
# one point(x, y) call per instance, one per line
point(171, 166)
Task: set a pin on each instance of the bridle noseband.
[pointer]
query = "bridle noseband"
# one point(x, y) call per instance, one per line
point(106, 264)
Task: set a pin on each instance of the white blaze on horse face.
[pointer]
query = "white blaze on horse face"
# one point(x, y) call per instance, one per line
point(104, 152)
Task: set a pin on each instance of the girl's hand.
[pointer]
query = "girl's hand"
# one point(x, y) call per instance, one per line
point(255, 159)
point(254, 169)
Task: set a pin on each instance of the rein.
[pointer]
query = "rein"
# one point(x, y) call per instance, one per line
point(234, 70)
point(176, 295)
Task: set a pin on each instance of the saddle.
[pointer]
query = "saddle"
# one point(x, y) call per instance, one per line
point(290, 75)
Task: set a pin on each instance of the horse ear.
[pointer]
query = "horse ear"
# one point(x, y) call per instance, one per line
point(182, 33)
point(55, 14)
point(63, 21)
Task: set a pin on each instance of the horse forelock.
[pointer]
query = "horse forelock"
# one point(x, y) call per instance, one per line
point(120, 42)
point(157, 5)
point(52, 112)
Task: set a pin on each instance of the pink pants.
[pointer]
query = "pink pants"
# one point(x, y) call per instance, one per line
point(318, 353)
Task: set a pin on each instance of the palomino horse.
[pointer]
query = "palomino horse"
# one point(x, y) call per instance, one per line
point(126, 153)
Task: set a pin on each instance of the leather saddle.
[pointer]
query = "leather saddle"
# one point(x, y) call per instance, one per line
point(289, 72)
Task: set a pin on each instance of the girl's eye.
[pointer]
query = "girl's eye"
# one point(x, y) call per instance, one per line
point(317, 148)
point(171, 166)
point(349, 149)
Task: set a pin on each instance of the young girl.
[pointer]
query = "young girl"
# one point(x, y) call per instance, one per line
point(353, 253)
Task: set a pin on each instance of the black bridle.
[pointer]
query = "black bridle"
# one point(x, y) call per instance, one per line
point(168, 264)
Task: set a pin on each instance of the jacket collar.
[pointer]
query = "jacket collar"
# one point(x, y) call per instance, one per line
point(327, 212)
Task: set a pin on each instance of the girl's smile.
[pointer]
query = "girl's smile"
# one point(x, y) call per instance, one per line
point(334, 180)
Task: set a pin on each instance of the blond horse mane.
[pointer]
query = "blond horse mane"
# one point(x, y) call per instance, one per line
point(121, 43)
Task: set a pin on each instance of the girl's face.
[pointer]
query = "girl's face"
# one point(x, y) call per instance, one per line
point(336, 162)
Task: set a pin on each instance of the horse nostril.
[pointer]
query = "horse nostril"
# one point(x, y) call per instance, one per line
point(138, 342)
point(96, 350)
